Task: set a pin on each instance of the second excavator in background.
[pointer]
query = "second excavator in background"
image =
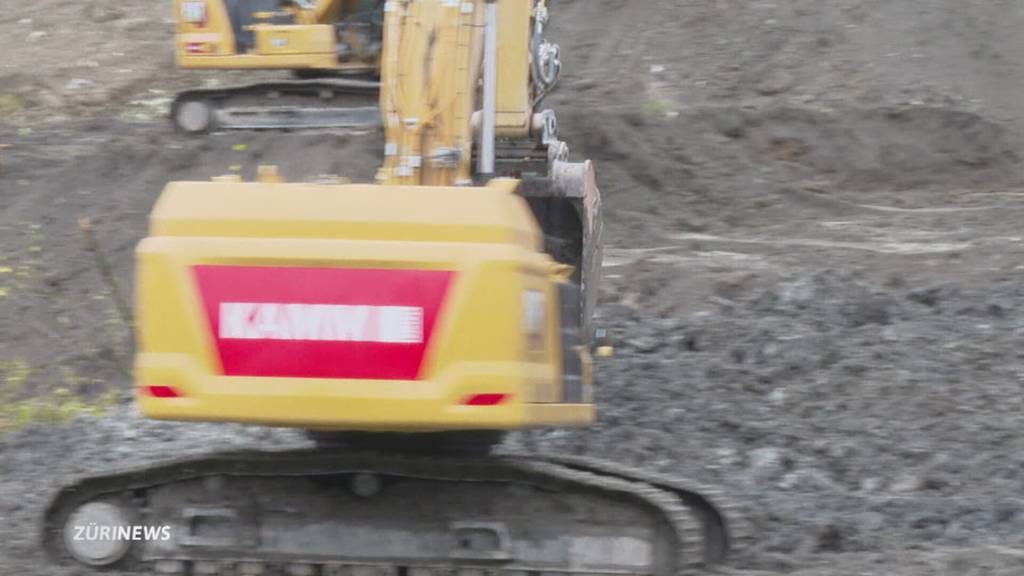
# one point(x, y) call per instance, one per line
point(407, 325)
point(333, 47)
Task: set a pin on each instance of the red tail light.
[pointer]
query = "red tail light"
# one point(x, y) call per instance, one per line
point(163, 391)
point(485, 399)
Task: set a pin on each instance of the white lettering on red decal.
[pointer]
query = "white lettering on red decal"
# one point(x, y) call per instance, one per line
point(321, 322)
point(345, 323)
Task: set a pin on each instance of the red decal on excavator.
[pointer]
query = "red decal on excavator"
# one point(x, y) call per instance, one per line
point(321, 322)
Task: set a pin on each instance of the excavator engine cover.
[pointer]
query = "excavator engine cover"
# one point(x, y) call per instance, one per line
point(356, 307)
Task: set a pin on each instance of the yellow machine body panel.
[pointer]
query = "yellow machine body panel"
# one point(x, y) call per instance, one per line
point(203, 28)
point(514, 108)
point(265, 62)
point(294, 39)
point(354, 307)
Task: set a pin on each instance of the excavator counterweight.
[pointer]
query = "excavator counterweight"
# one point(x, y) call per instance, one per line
point(360, 307)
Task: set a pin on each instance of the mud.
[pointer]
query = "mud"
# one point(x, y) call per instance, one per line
point(813, 273)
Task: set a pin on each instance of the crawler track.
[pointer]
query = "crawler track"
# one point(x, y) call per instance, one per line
point(302, 513)
point(284, 105)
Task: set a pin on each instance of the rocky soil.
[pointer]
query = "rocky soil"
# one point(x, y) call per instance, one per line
point(813, 272)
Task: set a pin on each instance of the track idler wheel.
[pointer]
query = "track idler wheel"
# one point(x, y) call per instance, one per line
point(194, 116)
point(94, 534)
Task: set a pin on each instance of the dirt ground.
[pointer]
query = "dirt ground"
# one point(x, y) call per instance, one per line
point(813, 276)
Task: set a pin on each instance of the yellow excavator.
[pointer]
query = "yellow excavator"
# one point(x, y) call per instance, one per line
point(334, 46)
point(407, 324)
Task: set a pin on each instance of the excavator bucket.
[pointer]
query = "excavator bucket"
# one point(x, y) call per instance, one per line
point(356, 307)
point(576, 185)
point(566, 203)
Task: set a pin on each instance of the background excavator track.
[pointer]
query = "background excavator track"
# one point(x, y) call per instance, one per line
point(279, 105)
